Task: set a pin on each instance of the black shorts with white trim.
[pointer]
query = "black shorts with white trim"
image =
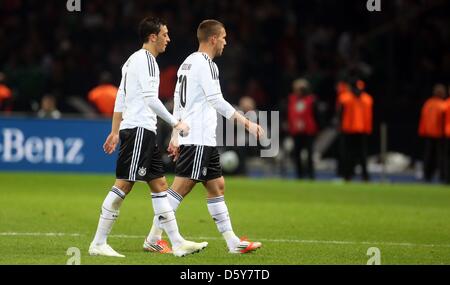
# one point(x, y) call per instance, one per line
point(198, 162)
point(139, 156)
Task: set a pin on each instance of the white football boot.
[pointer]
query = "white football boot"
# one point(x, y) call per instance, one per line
point(104, 250)
point(189, 247)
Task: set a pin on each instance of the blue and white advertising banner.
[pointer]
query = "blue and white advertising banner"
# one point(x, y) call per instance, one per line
point(54, 145)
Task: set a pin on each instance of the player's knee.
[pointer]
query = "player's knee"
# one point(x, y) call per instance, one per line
point(124, 186)
point(162, 185)
point(217, 189)
point(221, 185)
point(158, 185)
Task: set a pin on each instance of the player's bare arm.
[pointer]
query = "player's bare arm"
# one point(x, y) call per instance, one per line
point(250, 126)
point(182, 128)
point(173, 148)
point(113, 138)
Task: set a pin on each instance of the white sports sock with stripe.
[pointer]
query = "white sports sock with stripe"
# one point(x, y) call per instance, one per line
point(219, 212)
point(166, 217)
point(108, 215)
point(156, 230)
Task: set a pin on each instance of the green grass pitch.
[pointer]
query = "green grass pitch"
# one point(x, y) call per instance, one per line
point(42, 215)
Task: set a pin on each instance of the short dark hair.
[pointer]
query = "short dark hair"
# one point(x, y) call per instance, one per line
point(208, 28)
point(148, 26)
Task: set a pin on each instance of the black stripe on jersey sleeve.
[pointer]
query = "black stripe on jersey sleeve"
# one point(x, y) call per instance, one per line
point(125, 85)
point(150, 65)
point(210, 65)
point(153, 65)
point(211, 68)
point(216, 71)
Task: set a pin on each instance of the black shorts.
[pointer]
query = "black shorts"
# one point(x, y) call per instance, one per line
point(198, 162)
point(139, 156)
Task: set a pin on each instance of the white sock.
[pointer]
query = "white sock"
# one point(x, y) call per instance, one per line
point(174, 199)
point(156, 230)
point(219, 212)
point(109, 214)
point(166, 217)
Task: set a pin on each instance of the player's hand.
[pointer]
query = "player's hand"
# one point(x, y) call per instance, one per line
point(173, 150)
point(111, 142)
point(182, 128)
point(256, 130)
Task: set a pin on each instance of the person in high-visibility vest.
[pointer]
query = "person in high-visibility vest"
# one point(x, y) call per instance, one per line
point(303, 126)
point(5, 94)
point(355, 110)
point(342, 89)
point(103, 96)
point(447, 138)
point(431, 129)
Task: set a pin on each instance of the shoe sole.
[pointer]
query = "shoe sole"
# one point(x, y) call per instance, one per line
point(248, 251)
point(98, 254)
point(196, 251)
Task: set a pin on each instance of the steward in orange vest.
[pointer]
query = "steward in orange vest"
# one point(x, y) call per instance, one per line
point(5, 95)
point(355, 110)
point(103, 96)
point(431, 129)
point(447, 138)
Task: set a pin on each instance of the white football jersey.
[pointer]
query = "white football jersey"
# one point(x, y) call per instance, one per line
point(140, 78)
point(197, 99)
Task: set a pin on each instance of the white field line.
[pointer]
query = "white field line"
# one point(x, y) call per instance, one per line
point(407, 244)
point(39, 234)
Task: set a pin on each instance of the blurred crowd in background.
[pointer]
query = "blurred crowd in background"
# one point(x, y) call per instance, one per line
point(54, 62)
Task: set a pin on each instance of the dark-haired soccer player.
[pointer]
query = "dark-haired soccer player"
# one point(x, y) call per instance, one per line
point(198, 98)
point(134, 124)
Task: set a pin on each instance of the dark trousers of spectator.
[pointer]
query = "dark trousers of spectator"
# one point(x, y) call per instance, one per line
point(446, 161)
point(304, 142)
point(433, 159)
point(340, 155)
point(355, 150)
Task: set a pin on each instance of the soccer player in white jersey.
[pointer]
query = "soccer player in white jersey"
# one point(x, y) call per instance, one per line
point(134, 124)
point(198, 98)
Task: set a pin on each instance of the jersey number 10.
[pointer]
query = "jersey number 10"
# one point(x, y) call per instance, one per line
point(182, 80)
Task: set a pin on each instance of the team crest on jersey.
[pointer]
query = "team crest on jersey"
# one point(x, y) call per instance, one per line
point(204, 171)
point(142, 171)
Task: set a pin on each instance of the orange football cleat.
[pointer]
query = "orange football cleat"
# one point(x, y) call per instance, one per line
point(246, 246)
point(160, 246)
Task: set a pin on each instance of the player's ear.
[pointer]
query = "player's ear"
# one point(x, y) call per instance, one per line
point(213, 39)
point(152, 37)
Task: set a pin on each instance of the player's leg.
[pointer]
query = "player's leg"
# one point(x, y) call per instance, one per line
point(209, 171)
point(158, 184)
point(108, 215)
point(167, 220)
point(219, 212)
point(126, 171)
point(186, 171)
point(181, 186)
